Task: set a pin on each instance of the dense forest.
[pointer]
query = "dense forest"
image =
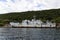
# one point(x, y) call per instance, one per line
point(52, 15)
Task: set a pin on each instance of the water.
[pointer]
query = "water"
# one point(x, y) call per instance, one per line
point(29, 34)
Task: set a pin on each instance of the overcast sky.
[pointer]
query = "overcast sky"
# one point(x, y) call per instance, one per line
point(27, 5)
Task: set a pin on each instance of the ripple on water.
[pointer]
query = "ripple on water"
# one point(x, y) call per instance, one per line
point(29, 33)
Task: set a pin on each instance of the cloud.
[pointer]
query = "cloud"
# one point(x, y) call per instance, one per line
point(27, 5)
point(3, 0)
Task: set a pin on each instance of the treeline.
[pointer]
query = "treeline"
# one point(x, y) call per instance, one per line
point(51, 15)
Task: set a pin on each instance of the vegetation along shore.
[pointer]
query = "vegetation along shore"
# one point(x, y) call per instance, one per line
point(52, 15)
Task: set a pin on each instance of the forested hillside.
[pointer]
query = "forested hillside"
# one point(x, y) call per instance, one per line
point(51, 15)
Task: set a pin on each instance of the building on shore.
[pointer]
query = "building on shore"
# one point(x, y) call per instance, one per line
point(33, 23)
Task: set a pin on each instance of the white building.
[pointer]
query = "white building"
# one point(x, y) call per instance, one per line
point(33, 23)
point(48, 24)
point(16, 24)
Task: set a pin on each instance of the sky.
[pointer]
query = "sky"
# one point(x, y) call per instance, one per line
point(7, 6)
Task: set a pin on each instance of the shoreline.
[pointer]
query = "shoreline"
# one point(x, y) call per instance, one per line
point(27, 27)
point(32, 27)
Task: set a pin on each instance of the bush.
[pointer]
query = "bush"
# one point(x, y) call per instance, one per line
point(57, 20)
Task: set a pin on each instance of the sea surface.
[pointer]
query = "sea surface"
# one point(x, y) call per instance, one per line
point(29, 34)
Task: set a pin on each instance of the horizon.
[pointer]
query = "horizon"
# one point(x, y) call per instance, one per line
point(27, 5)
point(31, 11)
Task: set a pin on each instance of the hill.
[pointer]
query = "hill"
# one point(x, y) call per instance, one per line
point(51, 15)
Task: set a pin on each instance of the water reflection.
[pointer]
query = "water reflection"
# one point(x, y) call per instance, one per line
point(29, 34)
